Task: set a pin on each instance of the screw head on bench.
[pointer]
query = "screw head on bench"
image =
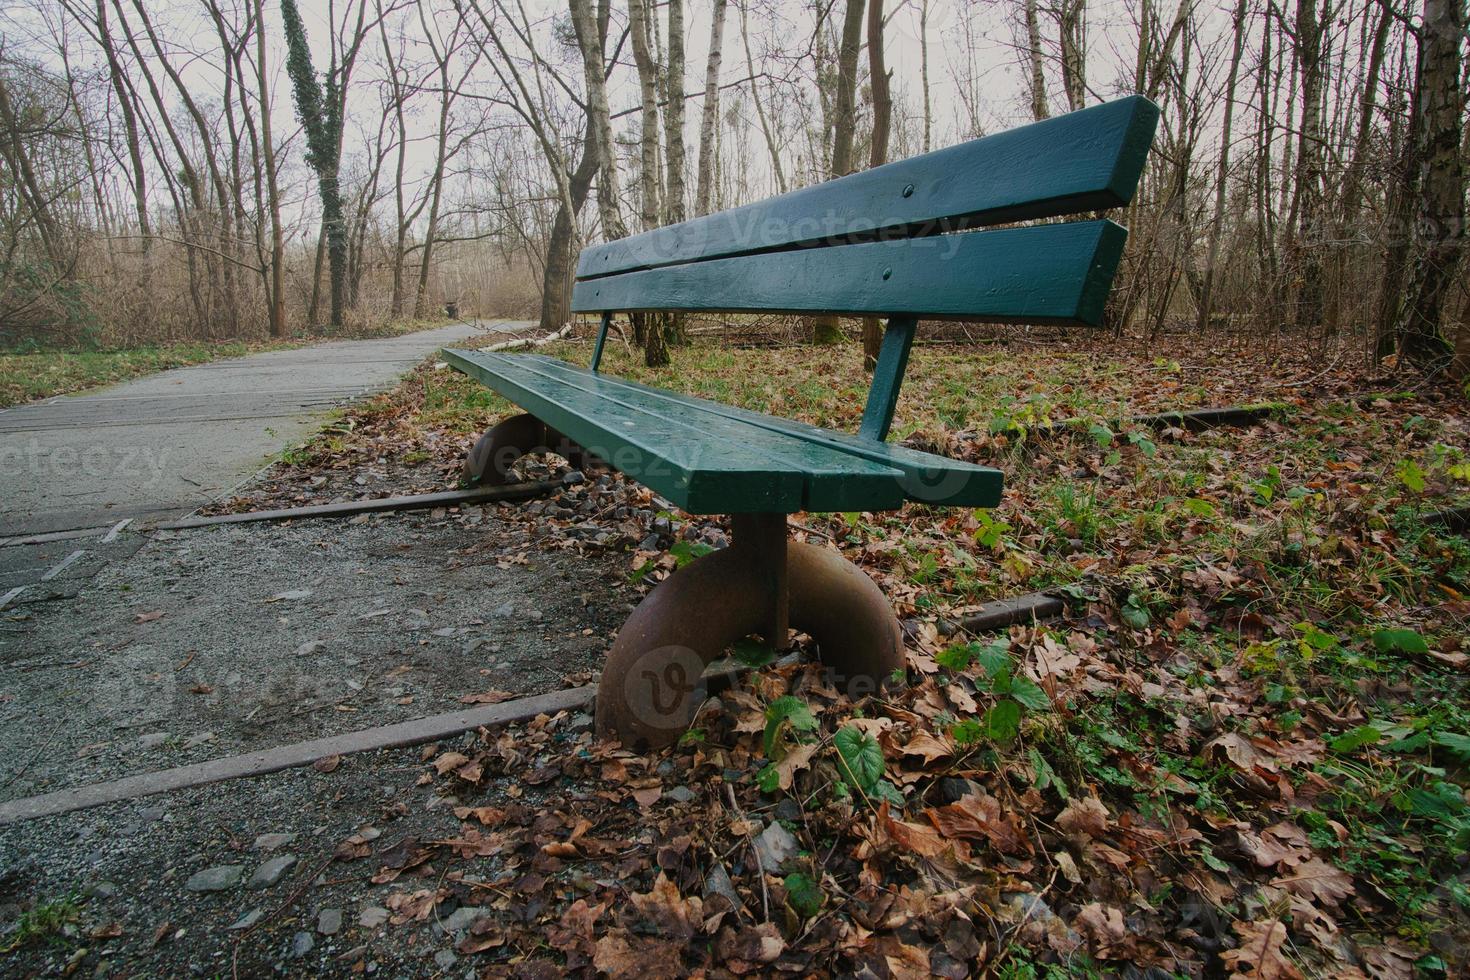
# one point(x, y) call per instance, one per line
point(887, 273)
point(908, 190)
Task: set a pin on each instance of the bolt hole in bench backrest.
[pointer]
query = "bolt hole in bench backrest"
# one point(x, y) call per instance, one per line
point(898, 241)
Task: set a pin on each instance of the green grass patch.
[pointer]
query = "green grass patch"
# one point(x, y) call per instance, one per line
point(26, 376)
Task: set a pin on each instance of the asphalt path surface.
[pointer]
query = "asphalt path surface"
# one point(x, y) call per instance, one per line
point(73, 468)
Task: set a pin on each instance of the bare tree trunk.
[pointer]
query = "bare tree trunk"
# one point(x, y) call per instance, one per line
point(1161, 59)
point(556, 274)
point(844, 109)
point(675, 205)
point(758, 99)
point(1072, 25)
point(710, 114)
point(655, 346)
point(441, 150)
point(648, 202)
point(1402, 193)
point(1037, 79)
point(827, 329)
point(882, 116)
point(1222, 178)
point(130, 122)
point(1308, 258)
point(1439, 231)
point(924, 74)
point(276, 298)
point(398, 96)
point(36, 201)
point(591, 40)
point(1348, 238)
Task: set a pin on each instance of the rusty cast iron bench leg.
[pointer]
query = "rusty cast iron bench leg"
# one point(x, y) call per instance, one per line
point(489, 462)
point(762, 584)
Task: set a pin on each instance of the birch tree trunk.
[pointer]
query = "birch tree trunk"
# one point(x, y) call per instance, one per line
point(1037, 79)
point(710, 112)
point(591, 34)
point(676, 209)
point(1072, 24)
point(655, 344)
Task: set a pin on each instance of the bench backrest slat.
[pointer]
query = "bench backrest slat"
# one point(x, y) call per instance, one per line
point(1083, 161)
point(1042, 274)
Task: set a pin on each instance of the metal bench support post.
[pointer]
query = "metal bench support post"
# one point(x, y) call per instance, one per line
point(601, 339)
point(893, 357)
point(763, 538)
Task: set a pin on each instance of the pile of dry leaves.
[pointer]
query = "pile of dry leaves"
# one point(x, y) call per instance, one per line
point(1243, 753)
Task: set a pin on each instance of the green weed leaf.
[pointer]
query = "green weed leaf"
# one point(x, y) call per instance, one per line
point(804, 894)
point(1399, 641)
point(1029, 693)
point(861, 757)
point(957, 657)
point(1003, 722)
point(1355, 739)
point(787, 710)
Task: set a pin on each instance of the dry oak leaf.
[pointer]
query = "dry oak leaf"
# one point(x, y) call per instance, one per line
point(620, 954)
point(929, 748)
point(1319, 881)
point(448, 761)
point(793, 762)
point(675, 916)
point(1259, 956)
point(1240, 752)
point(488, 697)
point(1102, 923)
point(407, 907)
point(485, 933)
point(916, 837)
point(979, 817)
point(1084, 815)
point(576, 925)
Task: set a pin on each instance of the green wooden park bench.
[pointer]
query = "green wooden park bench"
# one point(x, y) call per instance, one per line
point(901, 242)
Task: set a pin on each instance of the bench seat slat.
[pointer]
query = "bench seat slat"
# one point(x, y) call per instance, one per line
point(1084, 161)
point(703, 463)
point(1057, 273)
point(927, 478)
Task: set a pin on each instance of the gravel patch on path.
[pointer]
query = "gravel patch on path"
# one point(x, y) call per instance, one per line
point(168, 886)
point(223, 640)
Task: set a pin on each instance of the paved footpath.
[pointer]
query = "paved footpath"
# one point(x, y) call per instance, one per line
point(162, 446)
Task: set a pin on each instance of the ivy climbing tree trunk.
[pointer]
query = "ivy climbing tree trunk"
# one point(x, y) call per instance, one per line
point(1439, 228)
point(321, 120)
